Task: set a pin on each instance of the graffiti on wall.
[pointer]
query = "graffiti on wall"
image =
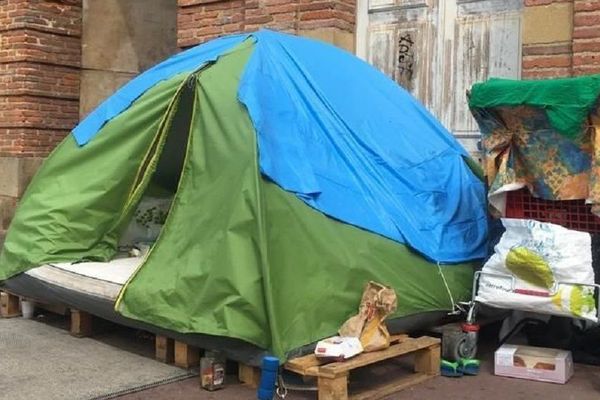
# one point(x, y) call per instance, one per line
point(406, 60)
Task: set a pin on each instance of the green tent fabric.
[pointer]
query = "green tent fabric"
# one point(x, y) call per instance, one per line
point(238, 256)
point(567, 101)
point(246, 273)
point(81, 220)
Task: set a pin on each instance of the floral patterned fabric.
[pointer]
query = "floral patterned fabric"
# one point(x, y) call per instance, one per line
point(522, 149)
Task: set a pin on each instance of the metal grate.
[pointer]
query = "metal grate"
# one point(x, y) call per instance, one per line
point(572, 214)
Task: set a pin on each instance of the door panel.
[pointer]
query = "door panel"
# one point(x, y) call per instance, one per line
point(437, 49)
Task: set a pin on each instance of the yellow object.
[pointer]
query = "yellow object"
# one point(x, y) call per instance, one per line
point(582, 300)
point(529, 266)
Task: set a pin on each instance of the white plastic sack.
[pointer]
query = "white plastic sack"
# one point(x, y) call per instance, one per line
point(539, 256)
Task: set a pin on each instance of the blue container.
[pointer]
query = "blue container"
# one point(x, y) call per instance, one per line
point(268, 377)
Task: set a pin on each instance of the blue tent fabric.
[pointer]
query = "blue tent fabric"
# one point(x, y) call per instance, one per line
point(186, 61)
point(346, 139)
point(356, 146)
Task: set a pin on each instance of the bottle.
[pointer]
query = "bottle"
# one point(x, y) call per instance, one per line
point(212, 371)
point(268, 377)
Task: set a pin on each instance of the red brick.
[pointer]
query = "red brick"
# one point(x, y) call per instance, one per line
point(586, 69)
point(281, 8)
point(546, 61)
point(545, 73)
point(40, 54)
point(262, 19)
point(185, 3)
point(587, 19)
point(586, 59)
point(587, 5)
point(321, 14)
point(586, 46)
point(24, 142)
point(585, 32)
point(316, 5)
point(196, 16)
point(530, 3)
point(547, 49)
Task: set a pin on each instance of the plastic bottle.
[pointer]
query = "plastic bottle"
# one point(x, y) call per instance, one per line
point(268, 377)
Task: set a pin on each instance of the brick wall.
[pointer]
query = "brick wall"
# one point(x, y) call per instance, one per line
point(561, 38)
point(586, 37)
point(40, 56)
point(329, 20)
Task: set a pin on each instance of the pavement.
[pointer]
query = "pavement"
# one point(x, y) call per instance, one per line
point(584, 385)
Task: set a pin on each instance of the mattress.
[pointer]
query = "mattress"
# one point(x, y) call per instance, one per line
point(99, 279)
point(94, 286)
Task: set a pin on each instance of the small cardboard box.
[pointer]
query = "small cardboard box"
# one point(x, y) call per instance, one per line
point(534, 363)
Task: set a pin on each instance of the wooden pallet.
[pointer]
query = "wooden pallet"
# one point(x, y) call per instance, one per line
point(9, 305)
point(332, 378)
point(184, 355)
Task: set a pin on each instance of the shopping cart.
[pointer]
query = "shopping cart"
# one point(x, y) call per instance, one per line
point(464, 344)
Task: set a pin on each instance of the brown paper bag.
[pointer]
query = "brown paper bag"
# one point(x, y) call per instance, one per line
point(378, 301)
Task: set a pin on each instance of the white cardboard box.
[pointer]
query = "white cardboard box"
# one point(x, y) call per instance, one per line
point(534, 363)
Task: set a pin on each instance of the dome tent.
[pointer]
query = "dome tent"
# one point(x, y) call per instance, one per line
point(299, 173)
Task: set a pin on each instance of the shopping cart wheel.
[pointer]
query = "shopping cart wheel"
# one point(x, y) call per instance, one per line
point(458, 343)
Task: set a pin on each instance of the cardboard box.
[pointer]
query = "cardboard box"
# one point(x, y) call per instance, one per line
point(534, 363)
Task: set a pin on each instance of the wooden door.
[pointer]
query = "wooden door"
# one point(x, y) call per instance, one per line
point(437, 49)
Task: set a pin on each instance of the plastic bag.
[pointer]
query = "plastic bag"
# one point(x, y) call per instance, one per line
point(546, 262)
point(377, 303)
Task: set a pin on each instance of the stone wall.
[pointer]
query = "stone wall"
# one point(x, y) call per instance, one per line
point(120, 39)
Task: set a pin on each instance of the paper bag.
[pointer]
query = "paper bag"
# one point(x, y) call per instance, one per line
point(378, 301)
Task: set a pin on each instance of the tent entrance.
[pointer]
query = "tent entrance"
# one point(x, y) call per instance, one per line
point(160, 173)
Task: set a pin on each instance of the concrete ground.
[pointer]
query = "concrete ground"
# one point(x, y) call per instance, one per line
point(585, 384)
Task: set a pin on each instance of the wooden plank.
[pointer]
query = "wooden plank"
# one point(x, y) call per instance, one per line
point(391, 388)
point(81, 323)
point(401, 337)
point(9, 305)
point(333, 377)
point(427, 360)
point(405, 347)
point(164, 349)
point(333, 388)
point(249, 375)
point(305, 365)
point(186, 356)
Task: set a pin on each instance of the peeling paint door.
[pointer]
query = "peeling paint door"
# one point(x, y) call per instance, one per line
point(438, 48)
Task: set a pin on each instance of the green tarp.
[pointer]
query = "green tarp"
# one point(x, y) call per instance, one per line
point(567, 101)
